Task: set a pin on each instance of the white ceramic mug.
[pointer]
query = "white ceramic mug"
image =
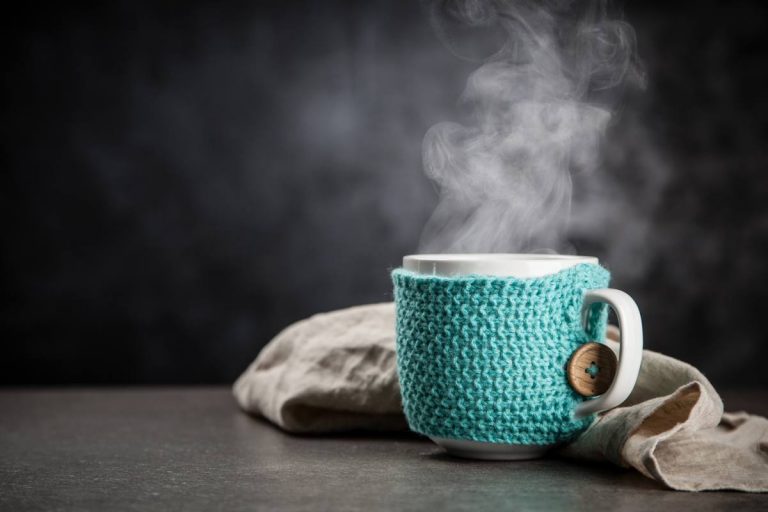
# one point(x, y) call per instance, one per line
point(530, 266)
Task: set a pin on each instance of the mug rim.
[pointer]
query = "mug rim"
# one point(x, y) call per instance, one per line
point(491, 256)
point(493, 264)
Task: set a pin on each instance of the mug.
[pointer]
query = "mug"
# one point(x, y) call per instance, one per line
point(500, 356)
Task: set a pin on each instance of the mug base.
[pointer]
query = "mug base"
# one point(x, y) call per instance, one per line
point(490, 451)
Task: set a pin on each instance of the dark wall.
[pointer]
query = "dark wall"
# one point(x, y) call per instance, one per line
point(182, 180)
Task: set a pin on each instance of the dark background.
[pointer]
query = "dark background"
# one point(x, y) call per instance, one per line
point(181, 180)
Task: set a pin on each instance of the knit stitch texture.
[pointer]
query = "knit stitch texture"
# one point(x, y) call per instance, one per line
point(483, 358)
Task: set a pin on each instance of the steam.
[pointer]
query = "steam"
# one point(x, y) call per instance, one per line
point(535, 115)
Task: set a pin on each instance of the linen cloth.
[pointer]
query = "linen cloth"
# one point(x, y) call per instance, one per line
point(337, 371)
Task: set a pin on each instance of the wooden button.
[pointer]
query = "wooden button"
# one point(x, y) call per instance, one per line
point(591, 369)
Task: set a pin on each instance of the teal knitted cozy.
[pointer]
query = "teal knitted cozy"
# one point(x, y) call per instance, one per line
point(483, 358)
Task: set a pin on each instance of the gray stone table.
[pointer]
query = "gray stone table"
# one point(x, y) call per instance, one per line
point(191, 449)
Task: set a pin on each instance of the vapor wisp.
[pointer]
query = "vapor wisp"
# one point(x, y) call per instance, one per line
point(534, 117)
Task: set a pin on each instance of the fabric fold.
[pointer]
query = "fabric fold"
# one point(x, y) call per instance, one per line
point(331, 372)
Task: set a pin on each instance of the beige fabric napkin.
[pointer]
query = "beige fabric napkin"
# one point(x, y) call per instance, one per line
point(337, 371)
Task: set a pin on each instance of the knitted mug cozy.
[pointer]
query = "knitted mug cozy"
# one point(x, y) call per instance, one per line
point(483, 358)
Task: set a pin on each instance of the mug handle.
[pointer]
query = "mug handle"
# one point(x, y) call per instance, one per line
point(630, 349)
